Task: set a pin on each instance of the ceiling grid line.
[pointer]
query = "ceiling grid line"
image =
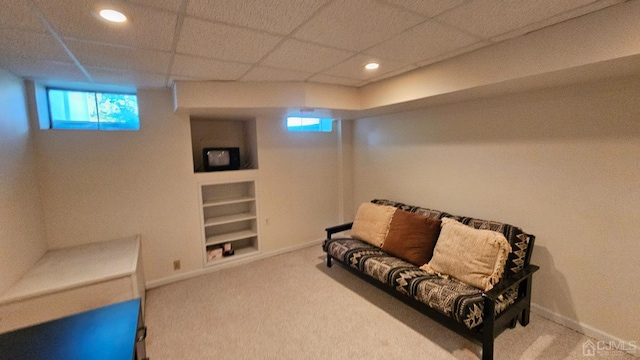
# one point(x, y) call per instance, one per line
point(313, 41)
point(284, 39)
point(52, 30)
point(174, 42)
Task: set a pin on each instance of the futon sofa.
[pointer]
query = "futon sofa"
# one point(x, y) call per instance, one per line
point(393, 257)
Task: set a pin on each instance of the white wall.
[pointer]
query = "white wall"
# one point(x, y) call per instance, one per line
point(298, 184)
point(104, 185)
point(562, 163)
point(22, 236)
point(553, 54)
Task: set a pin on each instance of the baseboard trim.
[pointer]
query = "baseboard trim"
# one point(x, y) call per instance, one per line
point(209, 269)
point(580, 327)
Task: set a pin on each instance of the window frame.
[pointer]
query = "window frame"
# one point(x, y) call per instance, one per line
point(88, 125)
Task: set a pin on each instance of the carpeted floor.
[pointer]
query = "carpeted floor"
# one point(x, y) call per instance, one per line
point(292, 306)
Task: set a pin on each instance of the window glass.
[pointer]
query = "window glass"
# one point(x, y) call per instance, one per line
point(309, 124)
point(83, 110)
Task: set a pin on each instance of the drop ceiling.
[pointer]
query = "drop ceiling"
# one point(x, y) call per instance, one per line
point(315, 41)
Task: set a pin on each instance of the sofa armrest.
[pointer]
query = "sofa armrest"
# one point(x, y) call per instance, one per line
point(505, 284)
point(338, 228)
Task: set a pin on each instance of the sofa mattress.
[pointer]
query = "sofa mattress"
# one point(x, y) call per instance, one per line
point(464, 303)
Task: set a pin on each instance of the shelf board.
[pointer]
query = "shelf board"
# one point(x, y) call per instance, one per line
point(223, 238)
point(227, 201)
point(228, 219)
point(239, 253)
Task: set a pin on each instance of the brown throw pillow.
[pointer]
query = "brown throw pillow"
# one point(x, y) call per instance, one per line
point(412, 237)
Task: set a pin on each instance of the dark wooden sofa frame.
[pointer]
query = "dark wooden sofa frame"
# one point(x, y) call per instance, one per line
point(492, 325)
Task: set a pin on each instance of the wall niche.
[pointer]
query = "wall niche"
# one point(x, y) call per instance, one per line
point(212, 133)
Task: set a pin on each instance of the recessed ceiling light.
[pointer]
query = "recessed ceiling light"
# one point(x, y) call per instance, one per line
point(113, 15)
point(372, 66)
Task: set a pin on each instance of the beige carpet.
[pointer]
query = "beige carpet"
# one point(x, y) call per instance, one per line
point(292, 306)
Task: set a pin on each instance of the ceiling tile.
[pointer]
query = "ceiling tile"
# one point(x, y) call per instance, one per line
point(459, 51)
point(147, 27)
point(174, 78)
point(353, 68)
point(18, 15)
point(392, 73)
point(109, 56)
point(26, 44)
point(328, 79)
point(356, 24)
point(224, 42)
point(172, 5)
point(275, 16)
point(489, 18)
point(263, 73)
point(324, 41)
point(299, 55)
point(206, 69)
point(135, 79)
point(428, 8)
point(566, 15)
point(43, 69)
point(422, 42)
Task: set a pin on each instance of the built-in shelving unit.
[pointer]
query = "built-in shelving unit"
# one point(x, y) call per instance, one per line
point(229, 217)
point(212, 133)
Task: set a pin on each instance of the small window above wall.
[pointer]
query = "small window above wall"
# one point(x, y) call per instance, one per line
point(309, 124)
point(86, 110)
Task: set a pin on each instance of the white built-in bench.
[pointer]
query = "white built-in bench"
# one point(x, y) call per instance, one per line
point(71, 280)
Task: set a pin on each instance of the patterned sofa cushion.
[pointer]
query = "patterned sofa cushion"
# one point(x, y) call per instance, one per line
point(518, 239)
point(460, 301)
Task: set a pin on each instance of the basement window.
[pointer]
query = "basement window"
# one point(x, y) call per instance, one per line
point(87, 110)
point(309, 124)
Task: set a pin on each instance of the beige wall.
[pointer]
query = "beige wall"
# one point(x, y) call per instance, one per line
point(103, 185)
point(561, 163)
point(22, 236)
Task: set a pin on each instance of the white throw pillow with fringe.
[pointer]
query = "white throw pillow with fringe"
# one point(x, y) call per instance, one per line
point(475, 257)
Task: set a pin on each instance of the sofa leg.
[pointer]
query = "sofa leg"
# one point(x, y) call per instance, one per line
point(487, 349)
point(488, 330)
point(513, 323)
point(525, 290)
point(328, 260)
point(524, 318)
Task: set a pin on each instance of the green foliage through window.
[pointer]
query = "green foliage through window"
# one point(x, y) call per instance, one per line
point(84, 110)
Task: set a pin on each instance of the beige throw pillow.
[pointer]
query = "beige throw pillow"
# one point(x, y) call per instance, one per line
point(372, 223)
point(475, 257)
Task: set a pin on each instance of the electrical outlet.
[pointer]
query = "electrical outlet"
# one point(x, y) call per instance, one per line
point(176, 265)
